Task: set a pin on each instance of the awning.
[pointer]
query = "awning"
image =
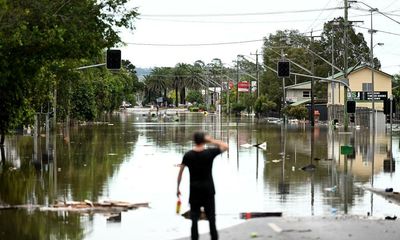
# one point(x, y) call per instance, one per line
point(300, 102)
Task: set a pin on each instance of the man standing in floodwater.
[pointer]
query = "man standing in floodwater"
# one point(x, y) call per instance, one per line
point(200, 160)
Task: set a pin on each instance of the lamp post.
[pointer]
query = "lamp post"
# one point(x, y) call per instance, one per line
point(373, 75)
point(372, 31)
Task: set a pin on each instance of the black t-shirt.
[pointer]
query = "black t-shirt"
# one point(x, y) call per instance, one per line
point(200, 168)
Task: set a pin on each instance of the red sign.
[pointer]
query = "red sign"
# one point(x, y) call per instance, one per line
point(230, 84)
point(243, 86)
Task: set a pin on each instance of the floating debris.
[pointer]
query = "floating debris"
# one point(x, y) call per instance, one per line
point(331, 189)
point(84, 207)
point(309, 168)
point(112, 154)
point(248, 215)
point(246, 145)
point(388, 195)
point(276, 160)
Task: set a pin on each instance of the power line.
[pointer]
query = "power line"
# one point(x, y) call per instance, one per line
point(391, 33)
point(319, 15)
point(240, 14)
point(385, 15)
point(202, 44)
point(194, 44)
point(228, 22)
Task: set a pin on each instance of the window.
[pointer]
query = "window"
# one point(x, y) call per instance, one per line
point(367, 87)
point(306, 94)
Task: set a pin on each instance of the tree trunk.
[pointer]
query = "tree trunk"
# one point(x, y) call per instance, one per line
point(3, 154)
point(176, 96)
point(2, 137)
point(182, 95)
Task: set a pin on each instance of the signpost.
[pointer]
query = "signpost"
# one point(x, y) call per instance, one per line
point(243, 86)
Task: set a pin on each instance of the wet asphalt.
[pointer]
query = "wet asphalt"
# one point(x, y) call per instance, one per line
point(335, 228)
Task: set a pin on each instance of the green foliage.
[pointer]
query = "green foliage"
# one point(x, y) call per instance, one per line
point(238, 107)
point(248, 101)
point(194, 97)
point(295, 48)
point(211, 108)
point(84, 104)
point(194, 108)
point(42, 40)
point(297, 112)
point(263, 105)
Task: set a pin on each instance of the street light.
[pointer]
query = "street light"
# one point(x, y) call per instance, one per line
point(372, 31)
point(373, 77)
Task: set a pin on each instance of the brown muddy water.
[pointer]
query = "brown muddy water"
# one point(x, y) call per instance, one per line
point(133, 158)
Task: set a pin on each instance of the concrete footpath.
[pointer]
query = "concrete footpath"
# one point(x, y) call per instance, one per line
point(335, 228)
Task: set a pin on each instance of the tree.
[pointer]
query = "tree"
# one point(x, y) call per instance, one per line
point(263, 105)
point(297, 112)
point(295, 47)
point(43, 36)
point(194, 97)
point(180, 74)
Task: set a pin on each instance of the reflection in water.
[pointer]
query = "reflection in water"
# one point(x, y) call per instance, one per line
point(133, 159)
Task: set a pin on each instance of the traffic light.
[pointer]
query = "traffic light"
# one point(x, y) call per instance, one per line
point(386, 106)
point(351, 107)
point(283, 69)
point(113, 59)
point(387, 118)
point(352, 118)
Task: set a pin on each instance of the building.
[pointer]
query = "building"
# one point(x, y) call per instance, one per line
point(298, 93)
point(360, 82)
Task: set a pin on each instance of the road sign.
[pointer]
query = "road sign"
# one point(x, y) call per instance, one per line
point(243, 86)
point(346, 150)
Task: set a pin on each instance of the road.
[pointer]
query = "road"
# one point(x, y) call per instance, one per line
point(324, 228)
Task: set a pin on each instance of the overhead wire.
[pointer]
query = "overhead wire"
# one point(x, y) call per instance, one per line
point(202, 44)
point(319, 15)
point(239, 14)
point(382, 31)
point(376, 10)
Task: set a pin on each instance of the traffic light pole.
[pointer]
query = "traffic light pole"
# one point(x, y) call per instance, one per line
point(90, 66)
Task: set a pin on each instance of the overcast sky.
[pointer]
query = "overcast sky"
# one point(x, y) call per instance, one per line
point(153, 42)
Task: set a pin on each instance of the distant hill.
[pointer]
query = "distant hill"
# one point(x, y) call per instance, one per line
point(140, 72)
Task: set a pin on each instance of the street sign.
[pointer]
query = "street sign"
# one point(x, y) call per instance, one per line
point(346, 150)
point(243, 86)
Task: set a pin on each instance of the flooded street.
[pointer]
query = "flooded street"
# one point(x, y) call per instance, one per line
point(133, 159)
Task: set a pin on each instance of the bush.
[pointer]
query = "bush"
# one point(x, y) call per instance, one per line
point(238, 107)
point(193, 109)
point(263, 105)
point(297, 112)
point(194, 97)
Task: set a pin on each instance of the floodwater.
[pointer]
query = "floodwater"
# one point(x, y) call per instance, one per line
point(131, 158)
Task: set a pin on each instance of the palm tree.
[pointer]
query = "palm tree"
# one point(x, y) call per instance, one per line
point(163, 75)
point(180, 74)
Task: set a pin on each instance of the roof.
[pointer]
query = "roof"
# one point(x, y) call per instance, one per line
point(300, 102)
point(303, 85)
point(353, 69)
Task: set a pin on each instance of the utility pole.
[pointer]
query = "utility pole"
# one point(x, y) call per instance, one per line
point(346, 27)
point(333, 73)
point(372, 31)
point(237, 80)
point(257, 73)
point(312, 120)
point(312, 83)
